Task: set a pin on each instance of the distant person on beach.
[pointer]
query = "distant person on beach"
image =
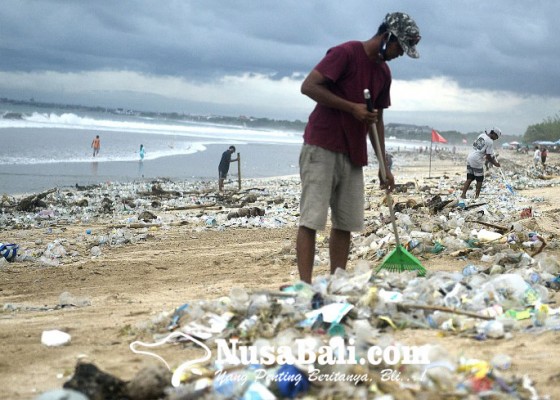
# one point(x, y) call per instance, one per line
point(483, 150)
point(544, 155)
point(335, 140)
point(96, 145)
point(389, 161)
point(223, 168)
point(142, 152)
point(537, 157)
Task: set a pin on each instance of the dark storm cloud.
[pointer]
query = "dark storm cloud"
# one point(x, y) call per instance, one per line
point(501, 45)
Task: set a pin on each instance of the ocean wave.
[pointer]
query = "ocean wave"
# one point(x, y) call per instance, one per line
point(27, 158)
point(153, 126)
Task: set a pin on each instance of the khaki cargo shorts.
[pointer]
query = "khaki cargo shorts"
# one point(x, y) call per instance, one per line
point(329, 179)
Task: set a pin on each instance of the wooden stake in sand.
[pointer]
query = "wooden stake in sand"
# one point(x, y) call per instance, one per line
point(238, 171)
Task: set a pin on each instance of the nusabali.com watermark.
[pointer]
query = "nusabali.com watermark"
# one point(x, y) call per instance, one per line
point(302, 353)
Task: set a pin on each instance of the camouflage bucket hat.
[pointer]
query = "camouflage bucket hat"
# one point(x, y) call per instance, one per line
point(406, 31)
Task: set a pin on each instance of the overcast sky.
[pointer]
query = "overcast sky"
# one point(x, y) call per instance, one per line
point(482, 63)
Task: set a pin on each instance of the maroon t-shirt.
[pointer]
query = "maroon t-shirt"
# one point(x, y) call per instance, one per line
point(350, 71)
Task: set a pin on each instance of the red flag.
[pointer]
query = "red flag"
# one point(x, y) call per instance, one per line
point(436, 137)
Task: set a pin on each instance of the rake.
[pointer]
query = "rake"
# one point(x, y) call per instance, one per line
point(399, 260)
point(508, 186)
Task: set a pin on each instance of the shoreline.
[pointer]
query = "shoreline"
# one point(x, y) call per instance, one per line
point(257, 160)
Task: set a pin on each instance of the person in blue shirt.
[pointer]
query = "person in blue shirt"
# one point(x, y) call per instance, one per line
point(142, 152)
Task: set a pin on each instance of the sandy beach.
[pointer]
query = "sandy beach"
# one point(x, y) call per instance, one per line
point(191, 251)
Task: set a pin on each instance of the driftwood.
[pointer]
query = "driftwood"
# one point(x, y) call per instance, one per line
point(475, 205)
point(444, 309)
point(502, 229)
point(158, 191)
point(34, 201)
point(86, 187)
point(540, 249)
point(135, 225)
point(139, 225)
point(191, 207)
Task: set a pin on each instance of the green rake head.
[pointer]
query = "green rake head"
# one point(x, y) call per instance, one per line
point(400, 260)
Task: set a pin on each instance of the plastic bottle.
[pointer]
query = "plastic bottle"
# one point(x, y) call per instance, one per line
point(493, 329)
point(501, 361)
point(239, 298)
point(470, 270)
point(540, 315)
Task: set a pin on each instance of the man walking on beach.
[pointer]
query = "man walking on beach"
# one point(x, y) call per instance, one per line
point(483, 150)
point(335, 145)
point(537, 157)
point(223, 168)
point(96, 145)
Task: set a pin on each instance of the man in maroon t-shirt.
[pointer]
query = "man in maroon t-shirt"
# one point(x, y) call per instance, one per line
point(335, 145)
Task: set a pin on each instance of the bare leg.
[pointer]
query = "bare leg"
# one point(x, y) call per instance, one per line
point(478, 187)
point(221, 184)
point(466, 188)
point(305, 249)
point(339, 247)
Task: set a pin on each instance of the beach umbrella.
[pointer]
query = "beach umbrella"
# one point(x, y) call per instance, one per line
point(436, 137)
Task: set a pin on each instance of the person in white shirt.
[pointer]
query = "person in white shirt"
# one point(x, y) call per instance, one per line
point(537, 156)
point(483, 150)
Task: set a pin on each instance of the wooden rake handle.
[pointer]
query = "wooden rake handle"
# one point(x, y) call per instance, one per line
point(381, 160)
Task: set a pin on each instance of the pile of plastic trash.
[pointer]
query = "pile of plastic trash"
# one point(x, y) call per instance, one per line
point(334, 338)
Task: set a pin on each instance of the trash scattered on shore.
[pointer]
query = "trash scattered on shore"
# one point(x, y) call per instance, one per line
point(503, 284)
